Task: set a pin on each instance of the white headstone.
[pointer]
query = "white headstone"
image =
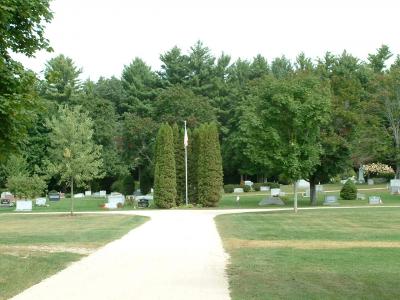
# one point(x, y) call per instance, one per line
point(248, 182)
point(7, 195)
point(24, 205)
point(395, 182)
point(88, 193)
point(370, 181)
point(319, 188)
point(111, 205)
point(374, 200)
point(302, 184)
point(275, 192)
point(394, 190)
point(103, 193)
point(238, 190)
point(307, 193)
point(113, 200)
point(264, 188)
point(79, 195)
point(40, 201)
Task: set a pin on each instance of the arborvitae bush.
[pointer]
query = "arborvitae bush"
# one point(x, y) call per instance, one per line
point(209, 166)
point(179, 149)
point(246, 188)
point(164, 172)
point(193, 155)
point(349, 191)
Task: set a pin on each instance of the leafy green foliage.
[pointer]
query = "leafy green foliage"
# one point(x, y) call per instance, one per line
point(179, 164)
point(164, 173)
point(348, 191)
point(25, 186)
point(73, 156)
point(124, 185)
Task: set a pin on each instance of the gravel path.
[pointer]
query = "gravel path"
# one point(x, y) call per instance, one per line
point(175, 255)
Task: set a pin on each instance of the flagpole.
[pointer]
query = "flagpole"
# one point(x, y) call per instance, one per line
point(186, 170)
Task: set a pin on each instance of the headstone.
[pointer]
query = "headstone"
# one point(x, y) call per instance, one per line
point(79, 195)
point(7, 195)
point(271, 201)
point(275, 192)
point(360, 196)
point(343, 181)
point(96, 194)
point(282, 194)
point(144, 201)
point(264, 188)
point(238, 190)
point(248, 182)
point(394, 186)
point(114, 199)
point(88, 193)
point(361, 174)
point(307, 193)
point(40, 202)
point(5, 202)
point(54, 196)
point(319, 188)
point(303, 184)
point(24, 205)
point(374, 200)
point(331, 200)
point(103, 193)
point(370, 181)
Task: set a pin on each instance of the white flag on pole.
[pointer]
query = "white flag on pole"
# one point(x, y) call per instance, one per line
point(185, 138)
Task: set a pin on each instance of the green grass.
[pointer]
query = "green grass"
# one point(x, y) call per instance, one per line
point(251, 199)
point(311, 271)
point(228, 201)
point(21, 266)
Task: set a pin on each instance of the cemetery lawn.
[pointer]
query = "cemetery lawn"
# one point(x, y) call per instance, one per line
point(315, 254)
point(33, 247)
point(251, 199)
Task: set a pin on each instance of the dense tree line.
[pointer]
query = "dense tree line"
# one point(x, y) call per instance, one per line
point(282, 120)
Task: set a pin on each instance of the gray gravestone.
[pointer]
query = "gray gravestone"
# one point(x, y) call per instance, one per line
point(360, 196)
point(331, 200)
point(319, 188)
point(238, 190)
point(361, 174)
point(264, 188)
point(374, 200)
point(275, 192)
point(271, 201)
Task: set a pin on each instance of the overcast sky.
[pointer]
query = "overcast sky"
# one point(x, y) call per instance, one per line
point(102, 36)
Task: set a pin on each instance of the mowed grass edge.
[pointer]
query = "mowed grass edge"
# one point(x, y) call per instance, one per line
point(319, 254)
point(34, 247)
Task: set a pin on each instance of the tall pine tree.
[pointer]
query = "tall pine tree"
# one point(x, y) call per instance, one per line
point(209, 168)
point(164, 172)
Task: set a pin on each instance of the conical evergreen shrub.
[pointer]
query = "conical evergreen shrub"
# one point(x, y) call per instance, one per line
point(209, 166)
point(348, 191)
point(164, 171)
point(179, 164)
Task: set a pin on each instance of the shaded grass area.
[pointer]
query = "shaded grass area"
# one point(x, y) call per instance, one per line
point(20, 269)
point(285, 272)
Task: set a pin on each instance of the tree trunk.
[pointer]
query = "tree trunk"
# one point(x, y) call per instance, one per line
point(72, 196)
point(241, 179)
point(295, 196)
point(313, 191)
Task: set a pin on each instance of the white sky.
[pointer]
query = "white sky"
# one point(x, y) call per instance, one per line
point(102, 36)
